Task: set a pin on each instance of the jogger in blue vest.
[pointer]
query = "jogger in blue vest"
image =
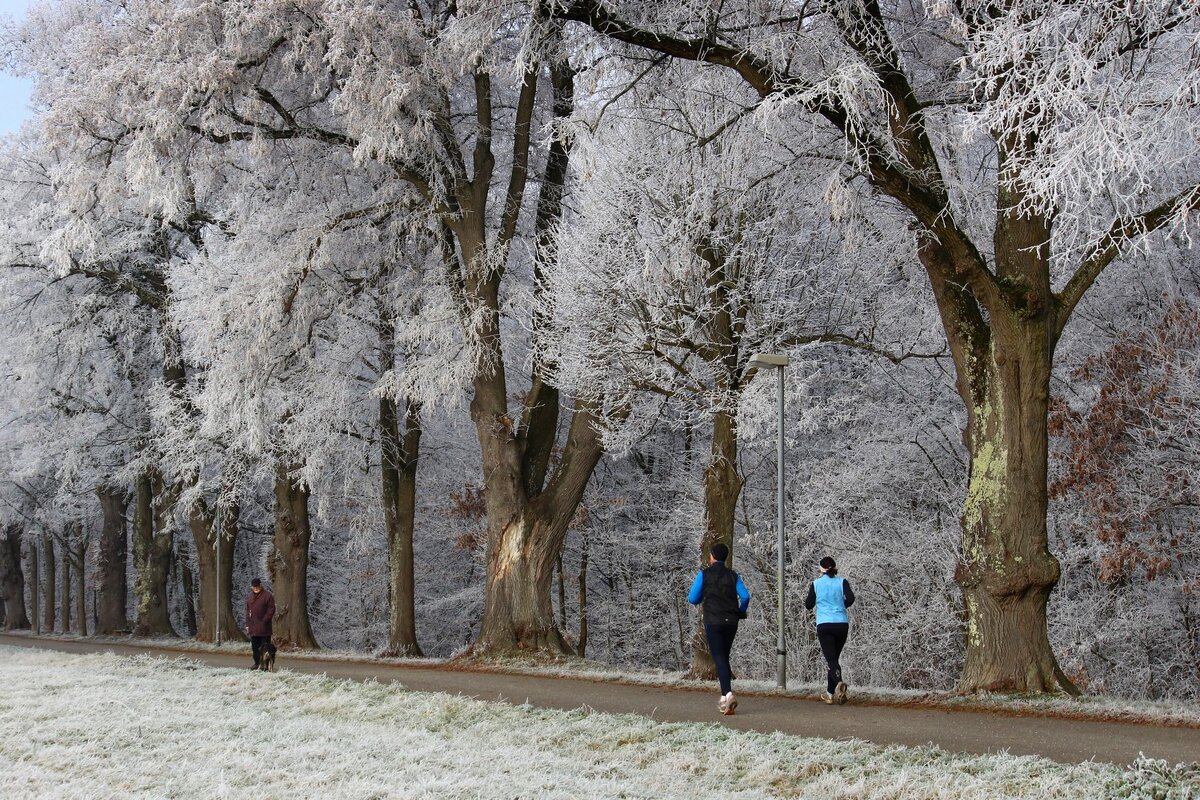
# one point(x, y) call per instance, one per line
point(831, 596)
point(725, 600)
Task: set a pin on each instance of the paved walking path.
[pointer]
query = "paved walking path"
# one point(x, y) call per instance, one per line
point(1068, 741)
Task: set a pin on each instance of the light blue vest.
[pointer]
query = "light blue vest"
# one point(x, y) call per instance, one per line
point(831, 602)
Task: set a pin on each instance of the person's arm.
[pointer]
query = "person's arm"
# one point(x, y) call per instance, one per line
point(847, 593)
point(270, 613)
point(743, 595)
point(697, 592)
point(810, 602)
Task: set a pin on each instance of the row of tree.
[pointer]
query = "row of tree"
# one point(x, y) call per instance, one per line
point(256, 251)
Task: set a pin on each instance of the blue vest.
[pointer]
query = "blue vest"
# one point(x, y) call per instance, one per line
point(831, 602)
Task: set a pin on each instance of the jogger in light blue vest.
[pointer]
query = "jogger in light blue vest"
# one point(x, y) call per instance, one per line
point(830, 596)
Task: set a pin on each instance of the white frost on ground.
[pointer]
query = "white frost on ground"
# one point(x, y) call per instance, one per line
point(103, 726)
point(1095, 707)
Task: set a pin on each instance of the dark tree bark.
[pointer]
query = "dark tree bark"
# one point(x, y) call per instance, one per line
point(722, 487)
point(188, 584)
point(153, 537)
point(562, 593)
point(400, 452)
point(35, 587)
point(400, 443)
point(581, 647)
point(203, 523)
point(528, 509)
point(79, 570)
point(12, 579)
point(64, 594)
point(50, 576)
point(112, 591)
point(288, 564)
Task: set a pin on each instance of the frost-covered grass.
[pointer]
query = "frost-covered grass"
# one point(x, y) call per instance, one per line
point(103, 726)
point(1090, 707)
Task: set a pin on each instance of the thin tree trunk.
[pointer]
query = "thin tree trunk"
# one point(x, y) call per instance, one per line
point(49, 597)
point(722, 487)
point(288, 563)
point(152, 547)
point(400, 449)
point(64, 595)
point(80, 571)
point(202, 523)
point(581, 649)
point(111, 560)
point(188, 584)
point(562, 592)
point(12, 579)
point(35, 587)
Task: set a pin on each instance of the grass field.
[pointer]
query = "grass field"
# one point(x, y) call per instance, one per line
point(105, 726)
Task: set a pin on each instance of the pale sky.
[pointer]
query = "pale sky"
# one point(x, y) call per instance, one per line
point(14, 92)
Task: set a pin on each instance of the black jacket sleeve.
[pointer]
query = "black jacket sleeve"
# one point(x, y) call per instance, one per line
point(810, 602)
point(847, 593)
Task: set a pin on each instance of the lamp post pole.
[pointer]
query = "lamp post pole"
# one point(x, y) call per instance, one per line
point(778, 362)
point(217, 538)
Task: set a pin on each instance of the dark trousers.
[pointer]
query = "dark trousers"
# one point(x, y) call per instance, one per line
point(720, 642)
point(832, 636)
point(257, 643)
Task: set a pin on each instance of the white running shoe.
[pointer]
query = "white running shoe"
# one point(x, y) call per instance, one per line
point(839, 693)
point(730, 704)
point(828, 698)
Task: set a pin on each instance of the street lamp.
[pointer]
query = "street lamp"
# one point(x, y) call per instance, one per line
point(778, 362)
point(218, 531)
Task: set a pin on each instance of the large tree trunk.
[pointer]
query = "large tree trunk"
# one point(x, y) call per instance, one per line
point(399, 469)
point(152, 546)
point(1003, 370)
point(526, 521)
point(203, 524)
point(288, 564)
point(526, 535)
point(111, 562)
point(518, 611)
point(1007, 570)
point(12, 579)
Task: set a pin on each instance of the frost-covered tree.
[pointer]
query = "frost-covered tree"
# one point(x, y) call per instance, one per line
point(449, 99)
point(686, 251)
point(1124, 460)
point(1031, 143)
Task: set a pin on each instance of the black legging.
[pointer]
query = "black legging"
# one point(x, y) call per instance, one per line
point(720, 642)
point(832, 636)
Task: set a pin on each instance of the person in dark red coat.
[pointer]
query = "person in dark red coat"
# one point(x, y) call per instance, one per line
point(260, 610)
